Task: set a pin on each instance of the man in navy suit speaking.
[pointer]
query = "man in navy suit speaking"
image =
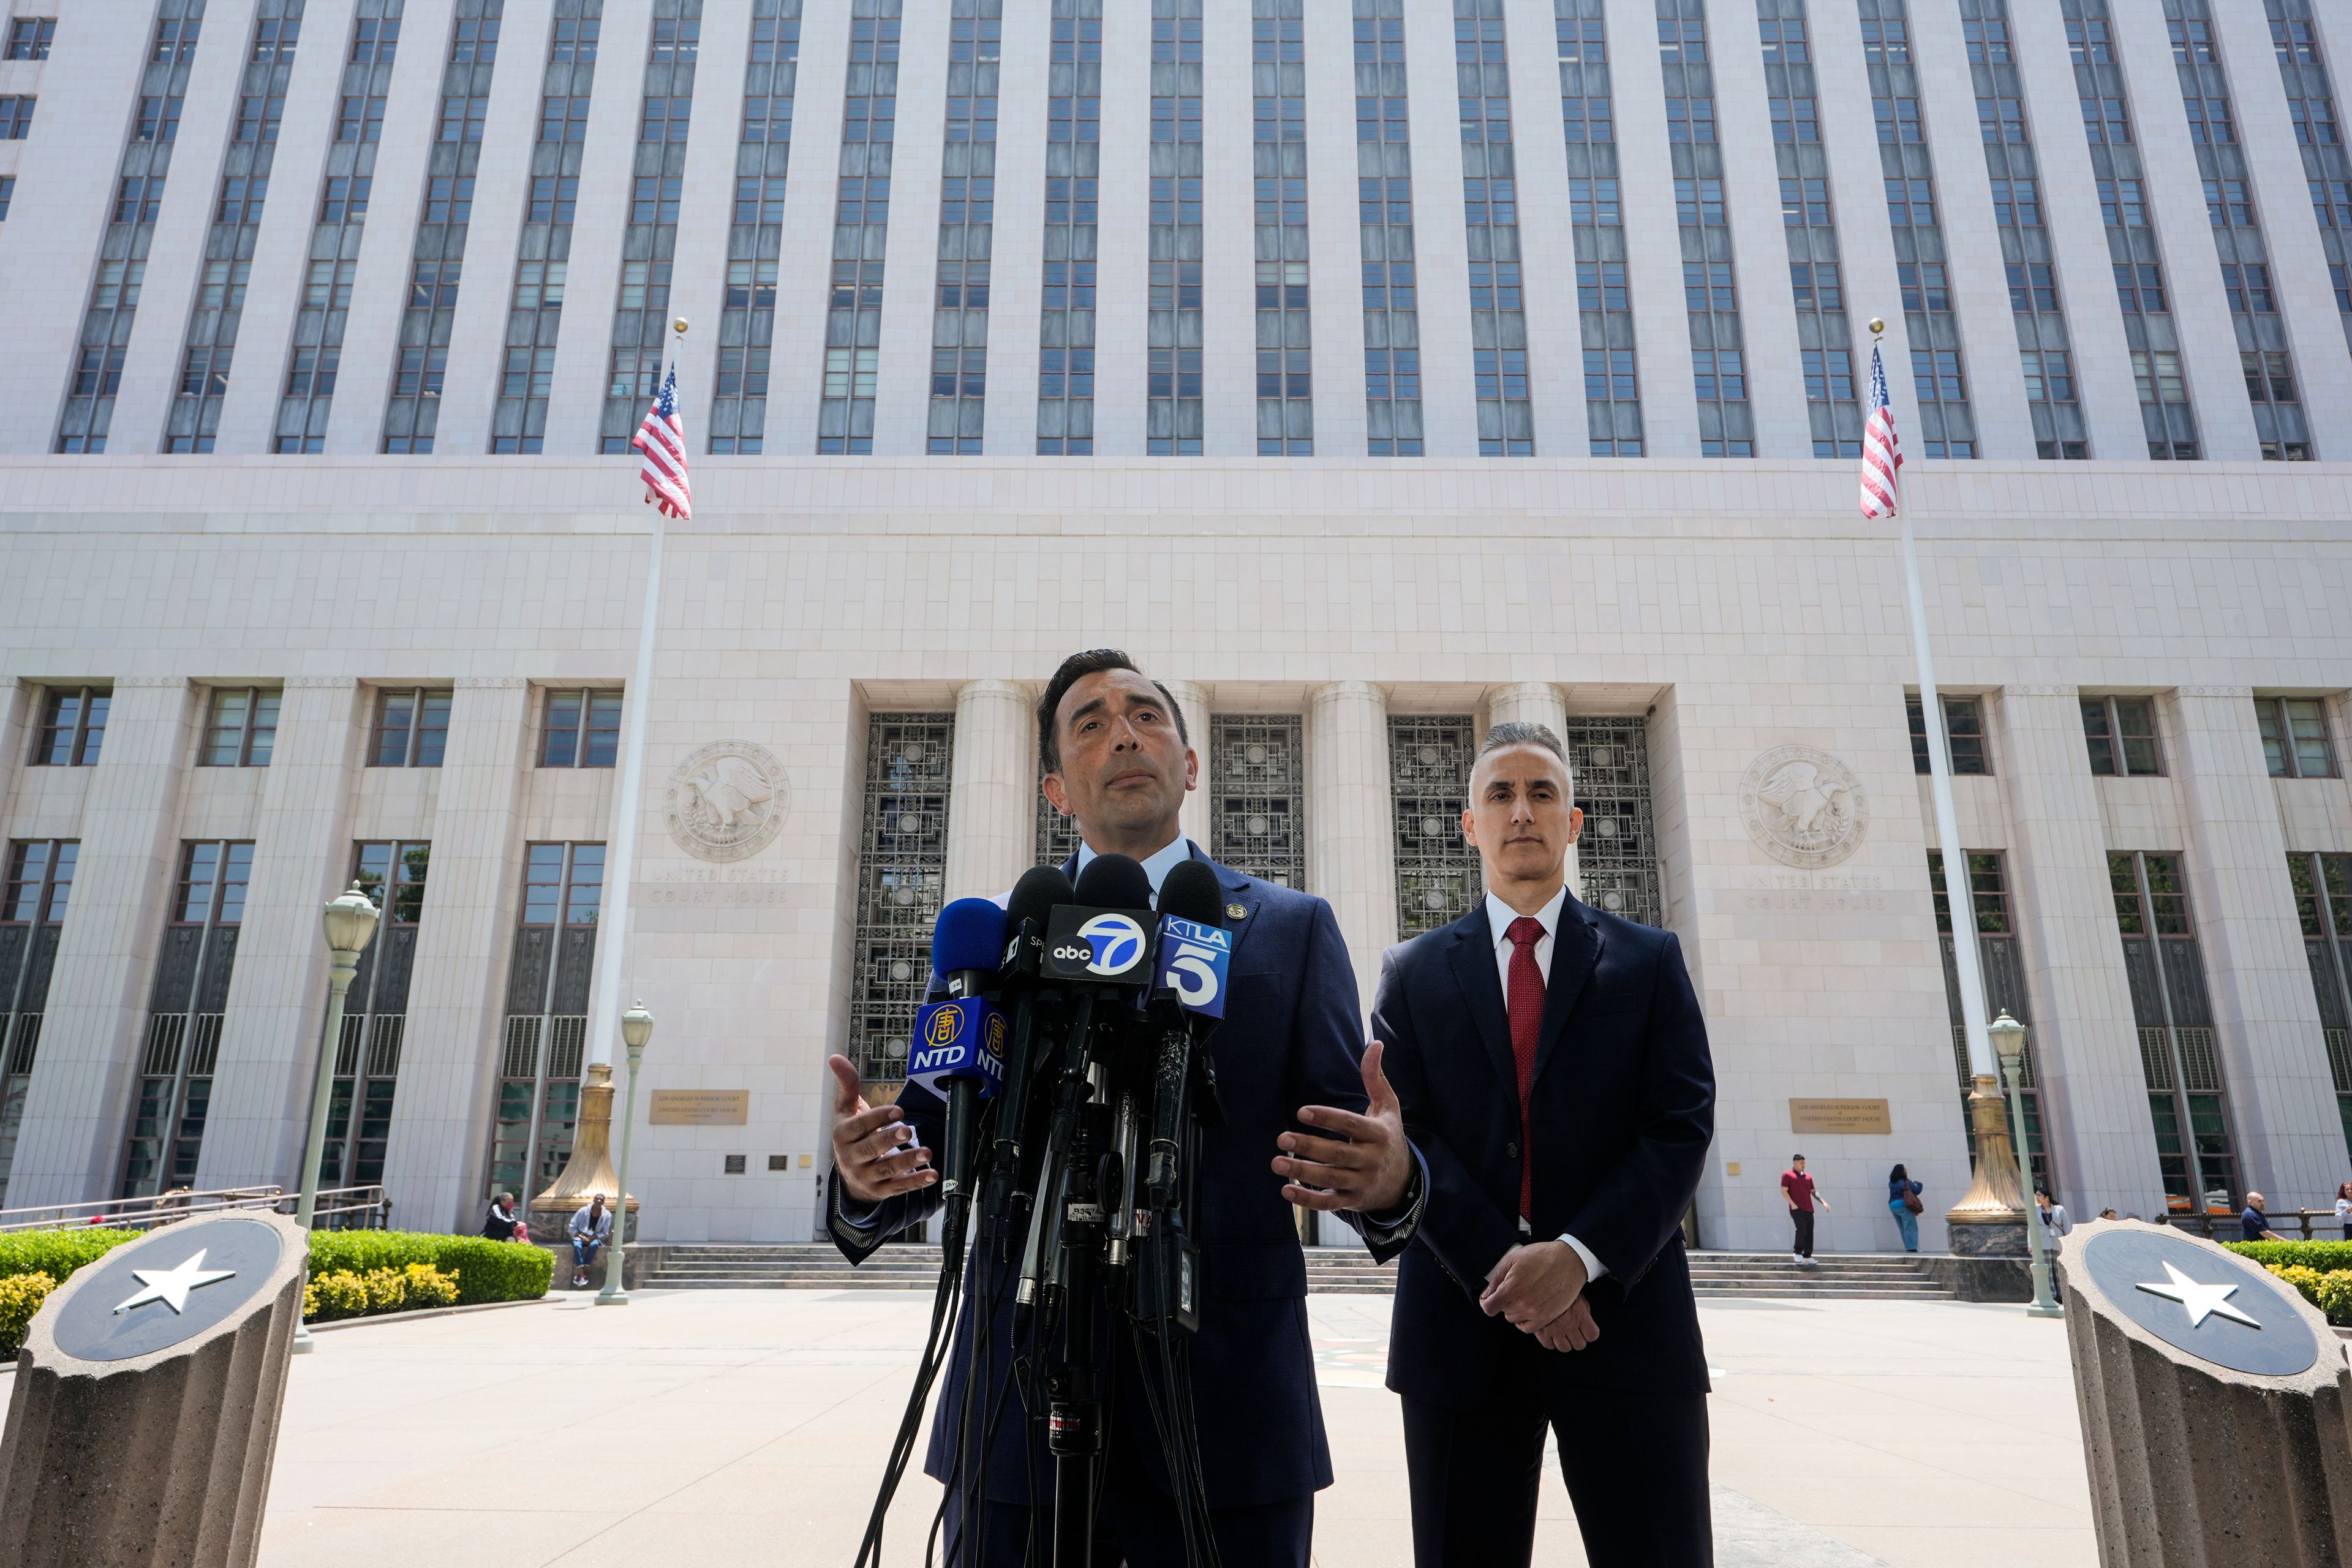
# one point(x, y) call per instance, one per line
point(1300, 1092)
point(1557, 1085)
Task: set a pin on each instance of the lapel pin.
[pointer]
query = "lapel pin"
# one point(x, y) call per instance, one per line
point(1236, 911)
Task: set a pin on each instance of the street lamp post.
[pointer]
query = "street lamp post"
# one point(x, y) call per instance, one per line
point(636, 1029)
point(350, 919)
point(2009, 1044)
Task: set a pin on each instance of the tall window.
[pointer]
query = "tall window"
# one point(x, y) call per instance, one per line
point(2121, 734)
point(32, 918)
point(29, 37)
point(367, 1055)
point(2180, 1059)
point(1809, 216)
point(581, 730)
point(85, 422)
point(184, 1019)
point(540, 1057)
point(1617, 856)
point(1710, 275)
point(315, 355)
point(240, 728)
point(412, 729)
point(1286, 408)
point(542, 260)
point(967, 223)
point(2294, 737)
point(211, 331)
point(1172, 417)
point(2003, 968)
point(1384, 212)
point(1964, 733)
point(2281, 425)
point(1065, 334)
point(1438, 875)
point(1498, 321)
point(1938, 375)
point(73, 726)
point(649, 244)
point(438, 260)
point(2319, 137)
point(1258, 799)
point(763, 150)
point(902, 859)
point(861, 231)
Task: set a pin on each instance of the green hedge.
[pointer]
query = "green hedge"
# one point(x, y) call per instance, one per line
point(485, 1270)
point(2326, 1257)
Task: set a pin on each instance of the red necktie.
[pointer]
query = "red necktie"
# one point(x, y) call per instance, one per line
point(1524, 1007)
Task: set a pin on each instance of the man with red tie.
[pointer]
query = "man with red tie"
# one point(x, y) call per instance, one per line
point(1554, 1074)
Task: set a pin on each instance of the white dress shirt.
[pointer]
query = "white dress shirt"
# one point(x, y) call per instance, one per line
point(1499, 916)
point(1156, 865)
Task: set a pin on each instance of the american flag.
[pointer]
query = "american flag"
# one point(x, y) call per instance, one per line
point(1882, 451)
point(662, 439)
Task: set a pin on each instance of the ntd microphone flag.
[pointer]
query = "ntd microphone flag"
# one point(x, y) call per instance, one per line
point(1192, 960)
point(960, 1039)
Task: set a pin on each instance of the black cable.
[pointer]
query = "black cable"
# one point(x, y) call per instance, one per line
point(943, 1303)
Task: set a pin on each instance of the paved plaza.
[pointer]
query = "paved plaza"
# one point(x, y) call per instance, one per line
point(722, 1427)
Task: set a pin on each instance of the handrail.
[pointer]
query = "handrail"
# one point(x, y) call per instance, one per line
point(2301, 1219)
point(338, 1208)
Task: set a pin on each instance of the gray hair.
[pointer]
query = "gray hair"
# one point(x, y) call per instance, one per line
point(1519, 732)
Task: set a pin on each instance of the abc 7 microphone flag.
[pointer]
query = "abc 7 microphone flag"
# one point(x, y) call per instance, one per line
point(1114, 947)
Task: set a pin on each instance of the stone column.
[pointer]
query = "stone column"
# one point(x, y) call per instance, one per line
point(2282, 1097)
point(2085, 1045)
point(902, 404)
point(1350, 849)
point(276, 1000)
point(1198, 816)
point(440, 1132)
point(1537, 702)
point(71, 1145)
point(992, 809)
point(17, 714)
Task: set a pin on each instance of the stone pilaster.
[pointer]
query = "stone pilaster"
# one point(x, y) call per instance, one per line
point(1196, 820)
point(276, 1000)
point(449, 1049)
point(2085, 1045)
point(992, 810)
point(1351, 855)
point(2282, 1096)
point(80, 1093)
point(19, 710)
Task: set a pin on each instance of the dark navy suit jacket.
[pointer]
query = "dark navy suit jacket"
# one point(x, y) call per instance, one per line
point(1623, 1111)
point(1292, 1036)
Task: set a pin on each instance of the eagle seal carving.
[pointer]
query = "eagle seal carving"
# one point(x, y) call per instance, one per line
point(1803, 806)
point(726, 801)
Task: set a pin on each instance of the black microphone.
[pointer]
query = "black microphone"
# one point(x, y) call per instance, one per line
point(1027, 913)
point(1191, 968)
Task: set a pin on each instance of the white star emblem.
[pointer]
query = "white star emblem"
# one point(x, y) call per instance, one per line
point(2202, 1300)
point(171, 1286)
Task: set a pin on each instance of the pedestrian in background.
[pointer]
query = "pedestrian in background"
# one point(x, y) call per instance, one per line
point(2055, 1223)
point(1903, 1203)
point(2254, 1223)
point(501, 1224)
point(1798, 1188)
point(591, 1228)
point(2344, 1209)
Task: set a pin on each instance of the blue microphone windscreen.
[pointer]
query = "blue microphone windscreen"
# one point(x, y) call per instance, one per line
point(970, 935)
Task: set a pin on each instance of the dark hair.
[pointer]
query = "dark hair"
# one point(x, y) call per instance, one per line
point(1518, 733)
point(1075, 668)
point(1898, 1174)
point(1795, 1158)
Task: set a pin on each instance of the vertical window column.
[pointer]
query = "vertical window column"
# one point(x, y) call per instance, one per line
point(32, 918)
point(763, 150)
point(1286, 408)
point(543, 258)
point(1385, 193)
point(2003, 966)
point(861, 233)
point(1065, 329)
point(2263, 355)
point(375, 1013)
point(966, 220)
point(1727, 426)
point(1257, 787)
point(337, 229)
point(1938, 375)
point(413, 413)
point(1172, 417)
point(2319, 137)
point(542, 1054)
point(2028, 258)
point(1596, 214)
point(1498, 322)
point(2179, 1057)
point(184, 1019)
point(1438, 877)
point(84, 424)
point(1809, 220)
point(211, 343)
point(902, 858)
point(649, 244)
point(2323, 899)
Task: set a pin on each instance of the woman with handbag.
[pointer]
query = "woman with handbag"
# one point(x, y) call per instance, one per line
point(1903, 1203)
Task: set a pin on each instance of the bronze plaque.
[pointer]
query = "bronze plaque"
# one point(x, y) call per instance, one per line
point(702, 1107)
point(1839, 1116)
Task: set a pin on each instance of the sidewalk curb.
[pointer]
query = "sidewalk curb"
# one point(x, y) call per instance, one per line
point(383, 1319)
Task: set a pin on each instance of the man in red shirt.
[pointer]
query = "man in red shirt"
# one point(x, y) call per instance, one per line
point(1798, 1188)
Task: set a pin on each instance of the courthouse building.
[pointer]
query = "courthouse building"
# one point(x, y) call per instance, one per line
point(1373, 370)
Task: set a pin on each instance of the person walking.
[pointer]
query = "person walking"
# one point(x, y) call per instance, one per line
point(2344, 1209)
point(500, 1223)
point(2055, 1224)
point(1903, 1203)
point(1798, 1188)
point(591, 1228)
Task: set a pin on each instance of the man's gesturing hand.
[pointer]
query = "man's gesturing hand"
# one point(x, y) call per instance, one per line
point(1365, 1166)
point(872, 1148)
point(1534, 1284)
